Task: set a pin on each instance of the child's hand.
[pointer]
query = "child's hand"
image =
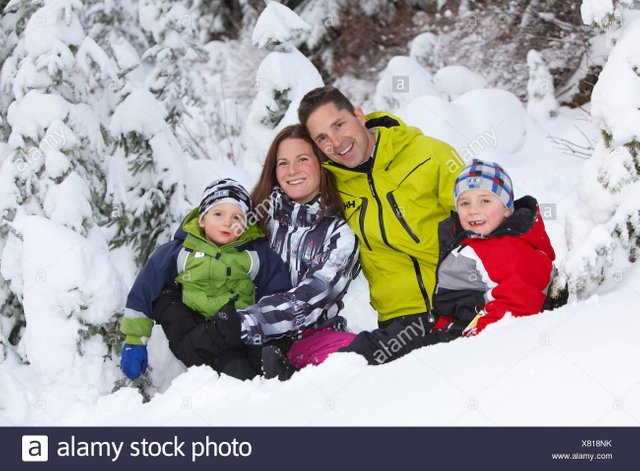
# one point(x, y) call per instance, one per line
point(472, 328)
point(224, 328)
point(134, 360)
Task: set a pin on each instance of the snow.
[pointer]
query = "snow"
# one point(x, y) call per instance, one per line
point(400, 82)
point(90, 52)
point(321, 15)
point(278, 28)
point(422, 47)
point(68, 202)
point(66, 284)
point(139, 112)
point(148, 13)
point(594, 11)
point(603, 232)
point(52, 29)
point(28, 77)
point(125, 54)
point(616, 95)
point(487, 124)
point(456, 80)
point(290, 73)
point(542, 102)
point(573, 366)
point(556, 368)
point(34, 113)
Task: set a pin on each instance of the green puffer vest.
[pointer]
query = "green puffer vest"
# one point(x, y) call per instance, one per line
point(213, 275)
point(395, 209)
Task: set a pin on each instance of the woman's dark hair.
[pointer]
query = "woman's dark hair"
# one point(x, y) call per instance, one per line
point(330, 203)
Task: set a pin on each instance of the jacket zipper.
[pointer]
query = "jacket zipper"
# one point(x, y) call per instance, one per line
point(396, 208)
point(403, 221)
point(363, 210)
point(423, 289)
point(372, 188)
point(413, 170)
point(414, 261)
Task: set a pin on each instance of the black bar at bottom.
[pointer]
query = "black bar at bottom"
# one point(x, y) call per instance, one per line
point(326, 449)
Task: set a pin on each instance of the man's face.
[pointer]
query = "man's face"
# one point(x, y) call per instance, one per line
point(341, 136)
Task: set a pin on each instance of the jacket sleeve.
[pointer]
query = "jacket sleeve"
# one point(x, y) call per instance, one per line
point(160, 270)
point(273, 276)
point(289, 313)
point(518, 292)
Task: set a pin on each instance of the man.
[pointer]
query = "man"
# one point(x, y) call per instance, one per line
point(396, 185)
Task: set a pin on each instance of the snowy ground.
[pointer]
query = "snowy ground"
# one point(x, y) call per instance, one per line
point(573, 366)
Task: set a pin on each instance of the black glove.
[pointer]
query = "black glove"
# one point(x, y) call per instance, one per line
point(224, 328)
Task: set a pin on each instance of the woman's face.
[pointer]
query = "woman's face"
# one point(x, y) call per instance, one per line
point(298, 170)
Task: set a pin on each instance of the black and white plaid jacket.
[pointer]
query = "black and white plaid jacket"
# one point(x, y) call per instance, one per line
point(321, 254)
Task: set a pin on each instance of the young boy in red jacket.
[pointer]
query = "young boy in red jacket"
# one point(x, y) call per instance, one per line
point(495, 255)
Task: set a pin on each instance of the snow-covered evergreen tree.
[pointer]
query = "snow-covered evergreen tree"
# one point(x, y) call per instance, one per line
point(283, 77)
point(216, 18)
point(321, 16)
point(147, 166)
point(114, 25)
point(12, 24)
point(175, 79)
point(605, 14)
point(146, 175)
point(217, 131)
point(604, 236)
point(54, 182)
point(542, 103)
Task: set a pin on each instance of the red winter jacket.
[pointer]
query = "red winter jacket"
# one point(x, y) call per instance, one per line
point(507, 271)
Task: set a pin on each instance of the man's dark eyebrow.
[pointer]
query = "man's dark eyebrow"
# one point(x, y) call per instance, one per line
point(333, 123)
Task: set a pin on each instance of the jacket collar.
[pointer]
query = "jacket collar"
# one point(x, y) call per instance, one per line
point(392, 136)
point(190, 229)
point(287, 211)
point(525, 222)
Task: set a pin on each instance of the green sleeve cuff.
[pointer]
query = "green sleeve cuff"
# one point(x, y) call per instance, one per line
point(135, 329)
point(133, 340)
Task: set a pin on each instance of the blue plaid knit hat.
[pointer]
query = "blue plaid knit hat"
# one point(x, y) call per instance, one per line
point(483, 175)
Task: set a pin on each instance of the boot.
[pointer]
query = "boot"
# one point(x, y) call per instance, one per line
point(275, 364)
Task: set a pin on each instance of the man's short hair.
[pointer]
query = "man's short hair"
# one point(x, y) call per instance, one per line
point(321, 96)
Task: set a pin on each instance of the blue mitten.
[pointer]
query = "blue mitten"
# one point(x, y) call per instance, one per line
point(134, 360)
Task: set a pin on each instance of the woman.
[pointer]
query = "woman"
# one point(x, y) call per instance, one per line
point(296, 203)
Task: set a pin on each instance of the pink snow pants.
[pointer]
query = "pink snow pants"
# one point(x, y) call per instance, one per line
point(315, 348)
